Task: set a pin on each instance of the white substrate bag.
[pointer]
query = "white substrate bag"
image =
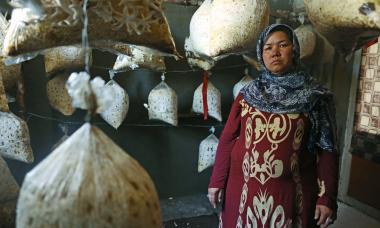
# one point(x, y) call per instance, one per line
point(222, 27)
point(214, 101)
point(45, 24)
point(14, 138)
point(64, 59)
point(140, 57)
point(240, 84)
point(118, 109)
point(162, 104)
point(347, 24)
point(58, 96)
point(207, 152)
point(88, 181)
point(307, 40)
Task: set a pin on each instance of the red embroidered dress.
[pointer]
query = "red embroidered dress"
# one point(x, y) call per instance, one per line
point(269, 177)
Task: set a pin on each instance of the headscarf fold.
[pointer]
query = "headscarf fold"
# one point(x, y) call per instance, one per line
point(294, 92)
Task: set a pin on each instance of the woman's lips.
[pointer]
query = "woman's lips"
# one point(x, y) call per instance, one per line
point(275, 62)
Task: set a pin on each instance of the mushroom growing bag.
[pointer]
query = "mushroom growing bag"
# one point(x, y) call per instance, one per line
point(222, 27)
point(9, 190)
point(14, 138)
point(347, 24)
point(88, 181)
point(117, 111)
point(214, 101)
point(58, 96)
point(8, 186)
point(140, 57)
point(59, 23)
point(243, 82)
point(207, 152)
point(162, 104)
point(11, 74)
point(307, 40)
point(64, 58)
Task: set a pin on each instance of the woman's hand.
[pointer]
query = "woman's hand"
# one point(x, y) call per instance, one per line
point(323, 215)
point(215, 196)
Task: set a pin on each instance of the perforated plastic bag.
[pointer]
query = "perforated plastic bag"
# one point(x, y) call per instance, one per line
point(58, 96)
point(11, 74)
point(162, 104)
point(118, 110)
point(8, 186)
point(207, 151)
point(88, 181)
point(14, 138)
point(140, 57)
point(214, 101)
point(64, 58)
point(240, 84)
point(347, 24)
point(9, 190)
point(222, 27)
point(307, 40)
point(138, 22)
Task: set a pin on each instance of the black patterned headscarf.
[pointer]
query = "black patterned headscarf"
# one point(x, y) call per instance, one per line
point(294, 92)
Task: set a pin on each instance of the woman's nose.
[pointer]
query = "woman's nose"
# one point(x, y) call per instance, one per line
point(275, 51)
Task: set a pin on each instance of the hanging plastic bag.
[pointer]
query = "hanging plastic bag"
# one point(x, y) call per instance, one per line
point(347, 24)
point(207, 151)
point(88, 181)
point(307, 40)
point(58, 96)
point(243, 82)
point(221, 27)
point(11, 74)
point(8, 186)
point(118, 110)
point(14, 138)
point(139, 22)
point(213, 101)
point(140, 57)
point(9, 190)
point(64, 58)
point(162, 103)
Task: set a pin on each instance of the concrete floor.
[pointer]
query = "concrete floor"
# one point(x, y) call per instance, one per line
point(349, 217)
point(195, 212)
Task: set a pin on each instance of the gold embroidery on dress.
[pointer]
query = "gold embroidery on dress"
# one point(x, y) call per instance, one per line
point(298, 135)
point(275, 129)
point(270, 168)
point(322, 187)
point(263, 213)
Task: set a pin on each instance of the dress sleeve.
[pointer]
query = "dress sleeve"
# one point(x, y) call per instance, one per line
point(226, 142)
point(326, 146)
point(328, 179)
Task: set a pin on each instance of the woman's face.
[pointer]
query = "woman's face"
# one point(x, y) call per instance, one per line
point(278, 53)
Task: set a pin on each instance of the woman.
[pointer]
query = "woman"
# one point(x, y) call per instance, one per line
point(276, 163)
